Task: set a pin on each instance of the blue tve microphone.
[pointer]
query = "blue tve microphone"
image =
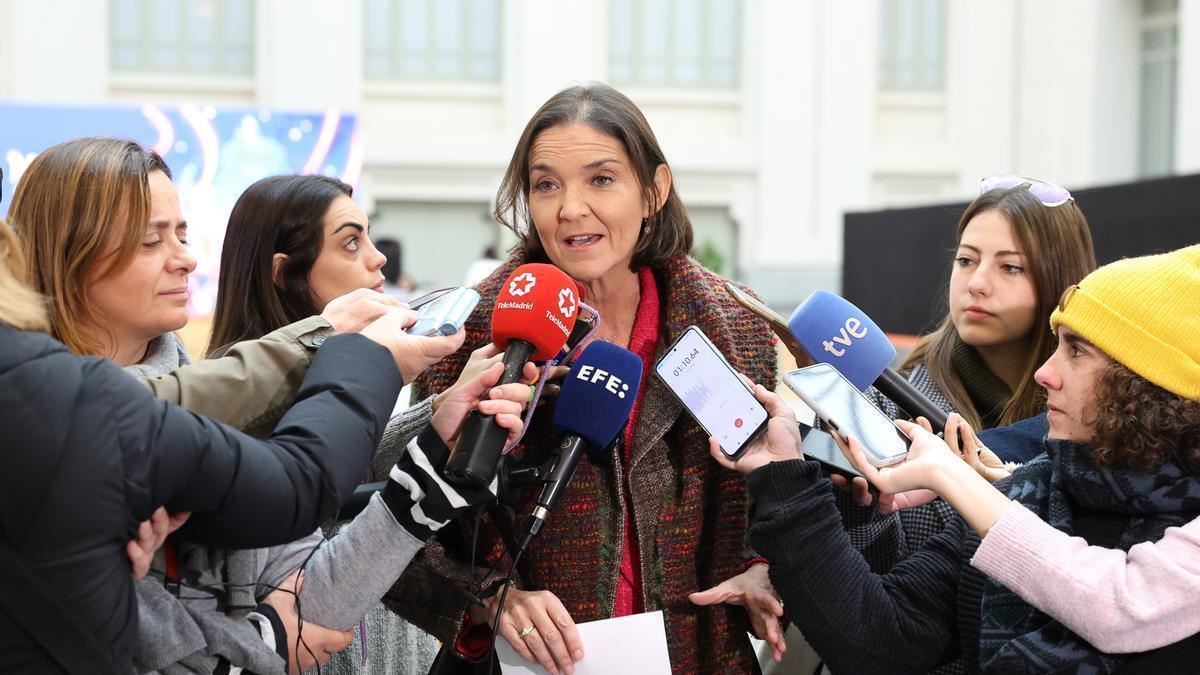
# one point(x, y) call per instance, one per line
point(832, 330)
point(595, 401)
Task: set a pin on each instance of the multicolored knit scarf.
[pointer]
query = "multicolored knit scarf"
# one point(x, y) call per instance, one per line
point(1062, 486)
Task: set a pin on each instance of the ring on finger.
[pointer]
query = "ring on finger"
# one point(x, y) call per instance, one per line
point(525, 633)
point(532, 391)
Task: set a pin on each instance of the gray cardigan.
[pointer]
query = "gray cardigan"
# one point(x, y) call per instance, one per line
point(345, 576)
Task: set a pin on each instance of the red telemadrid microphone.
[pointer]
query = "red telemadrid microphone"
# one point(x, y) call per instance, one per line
point(535, 313)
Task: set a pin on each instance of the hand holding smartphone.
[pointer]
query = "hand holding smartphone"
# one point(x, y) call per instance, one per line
point(848, 412)
point(700, 377)
point(444, 315)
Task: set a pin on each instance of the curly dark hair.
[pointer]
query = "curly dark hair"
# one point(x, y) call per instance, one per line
point(1141, 425)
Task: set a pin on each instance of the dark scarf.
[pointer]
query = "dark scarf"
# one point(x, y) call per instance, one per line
point(988, 393)
point(1063, 487)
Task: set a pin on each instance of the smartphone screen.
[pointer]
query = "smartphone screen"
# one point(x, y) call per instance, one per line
point(711, 391)
point(446, 314)
point(847, 410)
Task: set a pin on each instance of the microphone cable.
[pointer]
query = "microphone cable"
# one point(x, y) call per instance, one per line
point(215, 591)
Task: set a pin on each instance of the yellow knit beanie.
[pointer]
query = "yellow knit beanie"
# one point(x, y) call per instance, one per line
point(1145, 314)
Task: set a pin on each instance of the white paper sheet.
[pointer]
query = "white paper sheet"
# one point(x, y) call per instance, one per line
point(627, 645)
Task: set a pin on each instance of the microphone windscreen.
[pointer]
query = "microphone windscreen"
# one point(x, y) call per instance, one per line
point(834, 331)
point(598, 394)
point(538, 303)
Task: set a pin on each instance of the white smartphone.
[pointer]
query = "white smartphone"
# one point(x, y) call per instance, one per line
point(849, 413)
point(700, 377)
point(446, 314)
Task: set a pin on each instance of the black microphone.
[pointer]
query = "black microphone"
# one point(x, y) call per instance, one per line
point(832, 330)
point(593, 406)
point(535, 313)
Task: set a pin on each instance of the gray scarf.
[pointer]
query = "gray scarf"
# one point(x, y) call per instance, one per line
point(165, 353)
point(176, 635)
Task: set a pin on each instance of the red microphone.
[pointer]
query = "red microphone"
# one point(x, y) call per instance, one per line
point(534, 315)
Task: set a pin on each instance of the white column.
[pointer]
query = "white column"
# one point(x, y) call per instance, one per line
point(1187, 82)
point(1077, 90)
point(310, 54)
point(55, 50)
point(781, 49)
point(550, 46)
point(982, 68)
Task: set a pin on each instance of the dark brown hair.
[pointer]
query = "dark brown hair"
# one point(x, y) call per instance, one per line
point(81, 210)
point(611, 113)
point(1058, 252)
point(280, 214)
point(1139, 424)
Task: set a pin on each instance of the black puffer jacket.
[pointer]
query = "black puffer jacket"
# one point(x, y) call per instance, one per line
point(87, 454)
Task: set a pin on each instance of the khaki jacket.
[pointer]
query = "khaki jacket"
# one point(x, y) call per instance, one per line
point(253, 384)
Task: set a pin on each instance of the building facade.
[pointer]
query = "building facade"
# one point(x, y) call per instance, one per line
point(777, 116)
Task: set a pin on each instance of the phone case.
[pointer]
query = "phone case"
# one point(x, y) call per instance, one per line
point(445, 315)
point(733, 374)
point(823, 413)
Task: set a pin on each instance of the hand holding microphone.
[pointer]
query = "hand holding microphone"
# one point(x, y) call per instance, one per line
point(535, 312)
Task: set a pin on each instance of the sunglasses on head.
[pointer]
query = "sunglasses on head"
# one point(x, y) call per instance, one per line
point(1048, 194)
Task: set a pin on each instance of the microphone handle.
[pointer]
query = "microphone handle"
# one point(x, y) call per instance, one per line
point(481, 439)
point(894, 386)
point(570, 450)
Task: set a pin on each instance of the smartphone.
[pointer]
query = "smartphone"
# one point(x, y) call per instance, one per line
point(821, 447)
point(775, 320)
point(446, 314)
point(700, 377)
point(849, 413)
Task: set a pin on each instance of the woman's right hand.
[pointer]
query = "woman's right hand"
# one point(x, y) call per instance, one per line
point(504, 402)
point(317, 644)
point(354, 311)
point(927, 455)
point(781, 441)
point(413, 353)
point(553, 642)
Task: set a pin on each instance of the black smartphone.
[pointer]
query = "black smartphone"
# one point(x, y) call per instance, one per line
point(700, 377)
point(820, 446)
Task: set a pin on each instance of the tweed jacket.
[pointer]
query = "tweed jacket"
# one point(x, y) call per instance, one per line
point(690, 514)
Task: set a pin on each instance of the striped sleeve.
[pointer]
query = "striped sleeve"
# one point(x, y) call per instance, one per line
point(420, 500)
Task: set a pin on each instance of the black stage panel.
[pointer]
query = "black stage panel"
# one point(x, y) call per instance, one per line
point(897, 262)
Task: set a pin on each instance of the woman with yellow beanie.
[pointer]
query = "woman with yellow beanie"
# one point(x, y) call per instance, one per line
point(1121, 470)
point(1120, 602)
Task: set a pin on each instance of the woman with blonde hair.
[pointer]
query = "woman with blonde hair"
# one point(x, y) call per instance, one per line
point(107, 236)
point(88, 454)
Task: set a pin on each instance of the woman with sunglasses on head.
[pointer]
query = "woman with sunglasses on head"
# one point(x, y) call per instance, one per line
point(293, 243)
point(1018, 245)
point(108, 244)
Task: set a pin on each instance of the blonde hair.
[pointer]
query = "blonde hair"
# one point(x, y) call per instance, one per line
point(81, 208)
point(1058, 252)
point(20, 307)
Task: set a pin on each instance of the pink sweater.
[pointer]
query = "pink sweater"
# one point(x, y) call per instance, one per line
point(1119, 602)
